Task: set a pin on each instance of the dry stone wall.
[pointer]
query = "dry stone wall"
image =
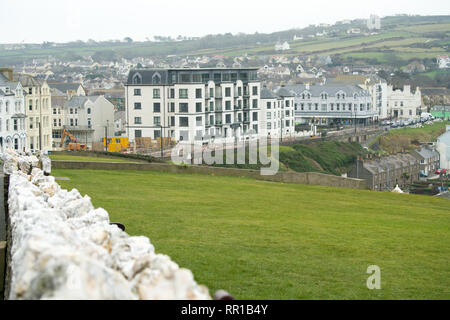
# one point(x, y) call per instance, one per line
point(64, 248)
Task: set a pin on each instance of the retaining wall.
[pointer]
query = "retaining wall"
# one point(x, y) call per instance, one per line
point(312, 178)
point(61, 247)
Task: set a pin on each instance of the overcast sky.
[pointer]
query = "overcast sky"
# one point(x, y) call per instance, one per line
point(35, 21)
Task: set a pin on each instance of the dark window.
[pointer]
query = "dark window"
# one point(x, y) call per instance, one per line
point(198, 107)
point(255, 116)
point(184, 122)
point(227, 92)
point(157, 134)
point(183, 93)
point(205, 77)
point(227, 105)
point(228, 118)
point(255, 103)
point(138, 133)
point(156, 94)
point(217, 77)
point(185, 78)
point(255, 90)
point(172, 107)
point(172, 121)
point(172, 93)
point(183, 107)
point(137, 106)
point(137, 92)
point(198, 93)
point(156, 107)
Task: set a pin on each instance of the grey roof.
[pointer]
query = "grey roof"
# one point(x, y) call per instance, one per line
point(27, 80)
point(79, 101)
point(426, 153)
point(389, 163)
point(267, 94)
point(283, 92)
point(330, 89)
point(64, 87)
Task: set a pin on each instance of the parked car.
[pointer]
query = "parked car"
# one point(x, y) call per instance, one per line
point(423, 174)
point(441, 171)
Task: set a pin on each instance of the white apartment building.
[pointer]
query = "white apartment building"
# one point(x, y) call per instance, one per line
point(403, 103)
point(374, 22)
point(12, 113)
point(89, 118)
point(193, 104)
point(333, 104)
point(277, 113)
point(377, 88)
point(38, 111)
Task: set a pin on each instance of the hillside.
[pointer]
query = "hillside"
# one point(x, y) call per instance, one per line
point(402, 39)
point(264, 240)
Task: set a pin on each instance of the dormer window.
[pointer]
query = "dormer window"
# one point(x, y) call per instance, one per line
point(6, 89)
point(156, 79)
point(137, 79)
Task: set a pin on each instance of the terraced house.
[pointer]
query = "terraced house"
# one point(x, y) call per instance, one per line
point(193, 104)
point(333, 104)
point(38, 111)
point(12, 113)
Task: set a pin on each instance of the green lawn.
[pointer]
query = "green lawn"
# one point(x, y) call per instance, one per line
point(263, 240)
point(90, 159)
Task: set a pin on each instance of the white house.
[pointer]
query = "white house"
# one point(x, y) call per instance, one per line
point(443, 147)
point(13, 132)
point(89, 118)
point(282, 46)
point(277, 113)
point(443, 62)
point(403, 103)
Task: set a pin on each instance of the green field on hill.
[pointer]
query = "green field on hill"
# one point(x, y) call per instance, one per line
point(264, 240)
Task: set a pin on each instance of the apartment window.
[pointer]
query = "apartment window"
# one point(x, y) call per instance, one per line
point(196, 77)
point(255, 116)
point(316, 106)
point(225, 77)
point(156, 94)
point(185, 77)
point(172, 107)
point(361, 107)
point(76, 122)
point(183, 93)
point(255, 102)
point(71, 111)
point(217, 77)
point(15, 124)
point(227, 92)
point(401, 103)
point(338, 106)
point(172, 93)
point(205, 77)
point(198, 121)
point(309, 106)
point(410, 112)
point(30, 90)
point(137, 120)
point(302, 106)
point(269, 125)
point(71, 122)
point(349, 107)
point(331, 106)
point(30, 105)
point(227, 105)
point(138, 133)
point(211, 92)
point(156, 121)
point(76, 111)
point(156, 107)
point(89, 122)
point(172, 121)
point(198, 107)
point(239, 91)
point(137, 92)
point(255, 90)
point(88, 110)
point(137, 106)
point(55, 122)
point(269, 115)
point(54, 110)
point(268, 105)
point(198, 93)
point(183, 108)
point(184, 121)
point(228, 118)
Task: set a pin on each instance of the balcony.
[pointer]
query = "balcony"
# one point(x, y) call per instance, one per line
point(78, 128)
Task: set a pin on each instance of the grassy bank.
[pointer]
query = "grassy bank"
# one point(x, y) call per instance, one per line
point(262, 240)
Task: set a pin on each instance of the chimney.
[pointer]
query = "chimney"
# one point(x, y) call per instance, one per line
point(7, 72)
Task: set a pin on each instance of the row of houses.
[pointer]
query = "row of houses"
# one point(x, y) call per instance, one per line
point(34, 113)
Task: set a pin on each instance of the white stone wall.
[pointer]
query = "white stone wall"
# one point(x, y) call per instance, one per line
point(64, 248)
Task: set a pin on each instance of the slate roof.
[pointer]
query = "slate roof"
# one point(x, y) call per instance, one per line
point(267, 94)
point(376, 166)
point(26, 80)
point(330, 89)
point(426, 153)
point(64, 87)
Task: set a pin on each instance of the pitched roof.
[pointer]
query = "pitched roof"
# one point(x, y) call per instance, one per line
point(27, 80)
point(330, 89)
point(64, 87)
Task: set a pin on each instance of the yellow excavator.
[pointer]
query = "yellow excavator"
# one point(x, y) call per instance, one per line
point(72, 144)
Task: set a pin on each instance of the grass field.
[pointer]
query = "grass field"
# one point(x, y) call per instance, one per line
point(90, 159)
point(262, 240)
